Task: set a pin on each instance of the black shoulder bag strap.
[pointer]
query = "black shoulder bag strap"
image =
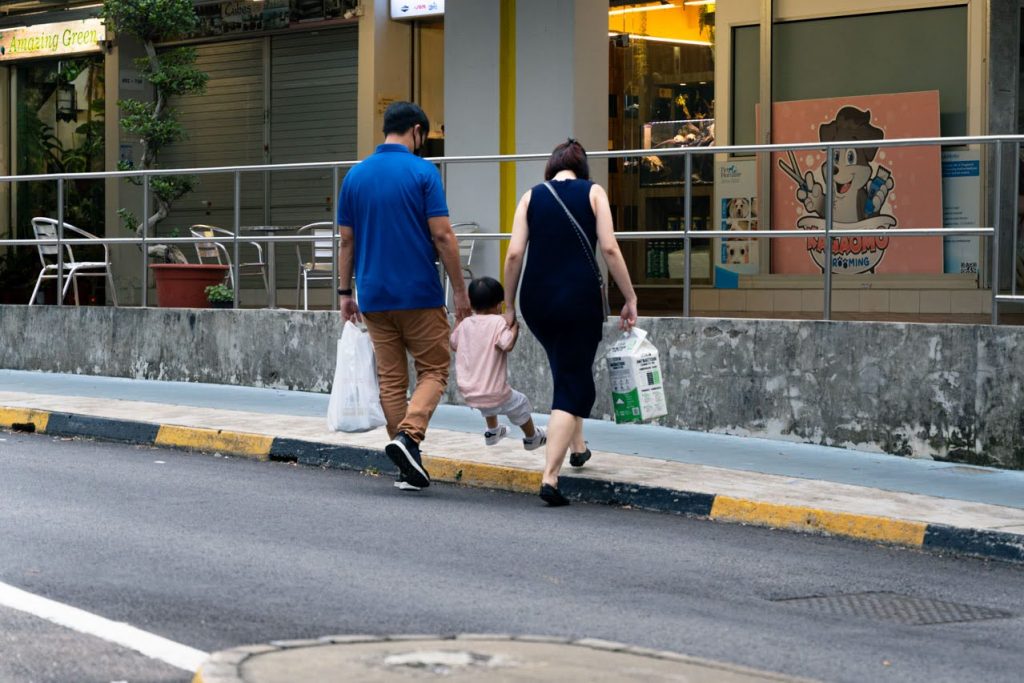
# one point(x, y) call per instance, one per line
point(587, 247)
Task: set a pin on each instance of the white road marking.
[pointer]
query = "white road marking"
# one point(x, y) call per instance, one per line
point(153, 646)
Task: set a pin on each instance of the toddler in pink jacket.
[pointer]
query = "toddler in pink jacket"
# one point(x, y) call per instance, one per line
point(481, 343)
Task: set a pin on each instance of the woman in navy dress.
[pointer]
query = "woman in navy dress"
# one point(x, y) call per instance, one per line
point(561, 295)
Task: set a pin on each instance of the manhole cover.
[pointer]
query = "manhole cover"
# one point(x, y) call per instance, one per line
point(902, 609)
point(443, 662)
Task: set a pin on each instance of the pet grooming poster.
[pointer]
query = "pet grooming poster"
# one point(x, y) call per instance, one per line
point(736, 206)
point(873, 188)
point(961, 203)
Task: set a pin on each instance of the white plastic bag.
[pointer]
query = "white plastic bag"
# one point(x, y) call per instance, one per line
point(355, 396)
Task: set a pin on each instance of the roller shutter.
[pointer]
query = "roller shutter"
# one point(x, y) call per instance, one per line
point(281, 99)
point(312, 118)
point(226, 127)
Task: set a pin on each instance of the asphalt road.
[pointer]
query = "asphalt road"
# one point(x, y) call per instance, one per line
point(214, 552)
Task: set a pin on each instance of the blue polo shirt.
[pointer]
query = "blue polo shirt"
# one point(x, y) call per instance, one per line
point(386, 199)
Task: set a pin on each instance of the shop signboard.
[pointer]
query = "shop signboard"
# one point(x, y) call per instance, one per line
point(873, 187)
point(961, 208)
point(416, 9)
point(48, 40)
point(736, 208)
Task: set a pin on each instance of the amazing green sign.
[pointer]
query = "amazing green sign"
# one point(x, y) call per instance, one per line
point(69, 37)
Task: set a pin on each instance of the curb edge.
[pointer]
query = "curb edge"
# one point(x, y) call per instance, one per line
point(983, 543)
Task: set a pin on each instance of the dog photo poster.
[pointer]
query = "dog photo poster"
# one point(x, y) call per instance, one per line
point(737, 208)
point(873, 188)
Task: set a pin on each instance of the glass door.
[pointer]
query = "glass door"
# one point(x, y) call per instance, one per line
point(661, 96)
point(59, 113)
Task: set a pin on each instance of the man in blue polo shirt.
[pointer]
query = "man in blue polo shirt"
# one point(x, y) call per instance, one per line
point(394, 225)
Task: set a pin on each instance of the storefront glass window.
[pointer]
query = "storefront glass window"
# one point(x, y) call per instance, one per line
point(59, 108)
point(746, 59)
point(876, 54)
point(661, 96)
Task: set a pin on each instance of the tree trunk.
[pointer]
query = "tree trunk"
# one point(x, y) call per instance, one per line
point(161, 252)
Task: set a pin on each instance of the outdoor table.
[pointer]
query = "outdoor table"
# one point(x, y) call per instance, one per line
point(271, 263)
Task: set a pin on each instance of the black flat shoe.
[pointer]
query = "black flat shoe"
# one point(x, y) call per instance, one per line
point(552, 496)
point(579, 459)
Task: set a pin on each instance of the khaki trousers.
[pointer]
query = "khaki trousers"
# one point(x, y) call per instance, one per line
point(424, 334)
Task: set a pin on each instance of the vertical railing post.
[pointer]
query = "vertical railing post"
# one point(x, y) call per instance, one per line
point(60, 241)
point(235, 271)
point(687, 217)
point(145, 251)
point(335, 241)
point(1014, 255)
point(997, 220)
point(829, 189)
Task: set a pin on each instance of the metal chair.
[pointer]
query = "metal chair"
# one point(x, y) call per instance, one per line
point(46, 228)
point(321, 264)
point(217, 252)
point(465, 253)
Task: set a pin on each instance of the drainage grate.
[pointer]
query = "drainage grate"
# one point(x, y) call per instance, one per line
point(902, 609)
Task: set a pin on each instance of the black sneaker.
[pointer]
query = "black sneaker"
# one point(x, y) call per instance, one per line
point(405, 453)
point(579, 459)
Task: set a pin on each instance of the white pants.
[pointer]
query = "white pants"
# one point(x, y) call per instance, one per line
point(517, 409)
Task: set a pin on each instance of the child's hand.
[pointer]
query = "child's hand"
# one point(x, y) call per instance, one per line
point(507, 339)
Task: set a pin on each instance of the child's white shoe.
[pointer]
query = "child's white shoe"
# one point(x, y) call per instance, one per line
point(540, 437)
point(493, 436)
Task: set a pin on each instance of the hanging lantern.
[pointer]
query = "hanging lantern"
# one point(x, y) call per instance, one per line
point(67, 102)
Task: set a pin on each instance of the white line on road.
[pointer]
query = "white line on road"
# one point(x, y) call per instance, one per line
point(151, 645)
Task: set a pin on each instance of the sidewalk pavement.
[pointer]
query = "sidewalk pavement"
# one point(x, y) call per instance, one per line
point(882, 498)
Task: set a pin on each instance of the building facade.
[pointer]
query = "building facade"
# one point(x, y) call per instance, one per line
point(308, 80)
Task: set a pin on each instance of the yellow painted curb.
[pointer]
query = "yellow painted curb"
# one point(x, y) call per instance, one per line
point(482, 475)
point(800, 518)
point(12, 416)
point(249, 445)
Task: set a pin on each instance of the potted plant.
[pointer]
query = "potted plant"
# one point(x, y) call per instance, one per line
point(171, 73)
point(220, 296)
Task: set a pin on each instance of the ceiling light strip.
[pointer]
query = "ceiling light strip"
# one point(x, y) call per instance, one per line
point(656, 39)
point(630, 10)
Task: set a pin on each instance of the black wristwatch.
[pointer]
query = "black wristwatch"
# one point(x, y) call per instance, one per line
point(345, 292)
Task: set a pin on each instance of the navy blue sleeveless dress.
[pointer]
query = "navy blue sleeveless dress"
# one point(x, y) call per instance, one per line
point(560, 295)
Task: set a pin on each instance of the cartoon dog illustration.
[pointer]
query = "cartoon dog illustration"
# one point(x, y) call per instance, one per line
point(856, 194)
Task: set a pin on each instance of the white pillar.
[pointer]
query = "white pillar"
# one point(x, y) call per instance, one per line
point(472, 119)
point(561, 80)
point(385, 70)
point(561, 56)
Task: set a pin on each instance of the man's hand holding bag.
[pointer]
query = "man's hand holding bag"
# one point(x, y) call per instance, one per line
point(355, 396)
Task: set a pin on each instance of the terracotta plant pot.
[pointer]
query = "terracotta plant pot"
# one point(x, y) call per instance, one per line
point(183, 285)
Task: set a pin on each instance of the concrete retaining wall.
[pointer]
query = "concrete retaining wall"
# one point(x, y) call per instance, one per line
point(944, 391)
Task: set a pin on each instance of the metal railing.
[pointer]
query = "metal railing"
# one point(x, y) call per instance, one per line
point(686, 235)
